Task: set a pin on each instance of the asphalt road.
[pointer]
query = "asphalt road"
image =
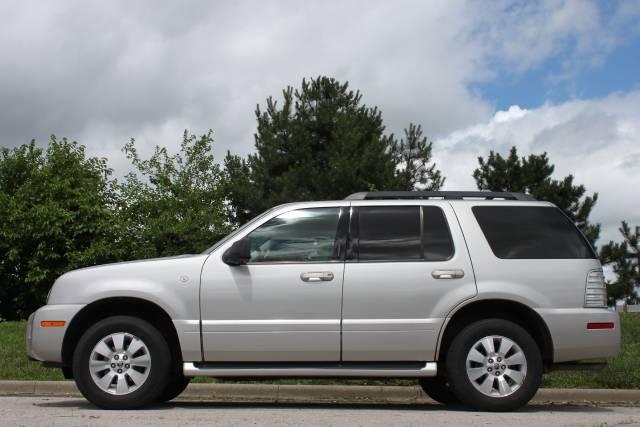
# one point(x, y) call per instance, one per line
point(75, 411)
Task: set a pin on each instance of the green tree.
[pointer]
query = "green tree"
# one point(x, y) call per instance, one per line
point(624, 257)
point(55, 206)
point(172, 204)
point(323, 143)
point(532, 175)
point(413, 156)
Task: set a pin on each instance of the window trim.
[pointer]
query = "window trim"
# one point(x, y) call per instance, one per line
point(353, 242)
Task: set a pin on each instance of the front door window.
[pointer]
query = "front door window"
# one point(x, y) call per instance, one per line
point(303, 235)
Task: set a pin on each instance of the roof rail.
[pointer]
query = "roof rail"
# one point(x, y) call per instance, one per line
point(446, 195)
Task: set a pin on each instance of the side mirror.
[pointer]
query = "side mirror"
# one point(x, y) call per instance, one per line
point(238, 254)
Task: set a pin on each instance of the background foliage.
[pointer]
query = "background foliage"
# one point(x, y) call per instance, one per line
point(63, 210)
point(624, 257)
point(172, 204)
point(57, 214)
point(323, 143)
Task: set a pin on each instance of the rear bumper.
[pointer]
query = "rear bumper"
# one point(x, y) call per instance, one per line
point(573, 341)
point(45, 343)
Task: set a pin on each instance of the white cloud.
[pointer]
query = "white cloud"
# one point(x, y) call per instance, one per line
point(598, 141)
point(75, 67)
point(102, 72)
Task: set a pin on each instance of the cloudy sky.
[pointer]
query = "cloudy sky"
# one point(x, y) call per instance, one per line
point(555, 76)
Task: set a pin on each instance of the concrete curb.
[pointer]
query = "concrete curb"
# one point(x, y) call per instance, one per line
point(320, 393)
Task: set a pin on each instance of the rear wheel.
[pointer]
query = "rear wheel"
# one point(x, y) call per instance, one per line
point(121, 362)
point(439, 389)
point(494, 365)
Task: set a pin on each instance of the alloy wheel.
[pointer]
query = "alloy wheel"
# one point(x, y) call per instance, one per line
point(120, 363)
point(496, 366)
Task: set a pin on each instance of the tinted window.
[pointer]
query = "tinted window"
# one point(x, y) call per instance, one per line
point(436, 237)
point(300, 235)
point(531, 232)
point(389, 233)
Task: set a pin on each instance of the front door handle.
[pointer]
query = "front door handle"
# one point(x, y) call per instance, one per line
point(317, 276)
point(447, 274)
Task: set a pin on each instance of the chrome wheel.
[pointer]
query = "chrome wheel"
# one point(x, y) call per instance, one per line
point(496, 366)
point(120, 363)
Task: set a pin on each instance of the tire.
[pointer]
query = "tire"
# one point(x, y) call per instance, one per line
point(490, 384)
point(439, 389)
point(174, 388)
point(107, 346)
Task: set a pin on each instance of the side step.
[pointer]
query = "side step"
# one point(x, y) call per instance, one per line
point(346, 369)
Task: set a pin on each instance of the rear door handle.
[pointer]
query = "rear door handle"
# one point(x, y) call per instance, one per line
point(447, 274)
point(317, 276)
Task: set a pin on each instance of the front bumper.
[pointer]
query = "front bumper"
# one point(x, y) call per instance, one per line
point(45, 343)
point(572, 340)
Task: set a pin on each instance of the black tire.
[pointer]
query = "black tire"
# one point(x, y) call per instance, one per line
point(159, 370)
point(460, 382)
point(174, 388)
point(439, 389)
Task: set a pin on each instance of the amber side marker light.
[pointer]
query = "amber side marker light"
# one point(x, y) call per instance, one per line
point(601, 325)
point(52, 323)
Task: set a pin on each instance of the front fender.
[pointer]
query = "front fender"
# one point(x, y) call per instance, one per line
point(171, 283)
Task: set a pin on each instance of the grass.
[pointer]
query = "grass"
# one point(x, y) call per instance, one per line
point(622, 371)
point(13, 354)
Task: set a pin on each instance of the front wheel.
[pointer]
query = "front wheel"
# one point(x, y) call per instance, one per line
point(121, 362)
point(494, 365)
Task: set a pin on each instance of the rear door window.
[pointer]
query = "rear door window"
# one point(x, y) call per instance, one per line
point(389, 233)
point(531, 232)
point(403, 233)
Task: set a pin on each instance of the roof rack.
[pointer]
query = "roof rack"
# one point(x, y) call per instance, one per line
point(445, 195)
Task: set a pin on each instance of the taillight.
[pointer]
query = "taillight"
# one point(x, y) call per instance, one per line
point(600, 325)
point(595, 294)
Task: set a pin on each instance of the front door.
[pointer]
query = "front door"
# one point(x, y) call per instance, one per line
point(284, 305)
point(409, 267)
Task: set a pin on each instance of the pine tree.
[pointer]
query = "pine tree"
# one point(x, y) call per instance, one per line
point(323, 143)
point(624, 257)
point(413, 154)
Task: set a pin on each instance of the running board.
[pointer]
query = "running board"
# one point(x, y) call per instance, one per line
point(347, 369)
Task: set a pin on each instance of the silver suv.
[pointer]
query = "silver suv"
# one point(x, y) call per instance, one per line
point(473, 293)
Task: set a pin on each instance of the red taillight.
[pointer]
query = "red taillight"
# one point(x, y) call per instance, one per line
point(600, 325)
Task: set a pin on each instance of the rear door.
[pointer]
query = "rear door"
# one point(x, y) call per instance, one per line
point(408, 268)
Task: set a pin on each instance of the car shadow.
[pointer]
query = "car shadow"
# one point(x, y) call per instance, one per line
point(350, 406)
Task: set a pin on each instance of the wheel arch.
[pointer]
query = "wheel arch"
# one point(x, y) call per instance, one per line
point(112, 306)
point(505, 309)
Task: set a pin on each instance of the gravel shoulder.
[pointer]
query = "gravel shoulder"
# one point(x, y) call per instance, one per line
point(38, 411)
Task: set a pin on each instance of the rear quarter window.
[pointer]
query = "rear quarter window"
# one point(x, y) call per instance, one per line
point(531, 232)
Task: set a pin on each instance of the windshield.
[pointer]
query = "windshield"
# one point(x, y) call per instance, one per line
point(237, 231)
